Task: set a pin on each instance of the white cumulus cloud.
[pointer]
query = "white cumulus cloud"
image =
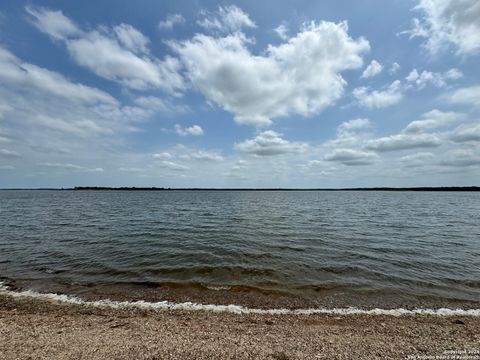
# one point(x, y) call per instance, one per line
point(353, 126)
point(270, 143)
point(202, 155)
point(282, 31)
point(226, 19)
point(461, 158)
point(163, 156)
point(352, 157)
point(420, 80)
point(106, 57)
point(131, 38)
point(466, 133)
point(171, 165)
point(301, 76)
point(465, 96)
point(171, 21)
point(373, 69)
point(403, 142)
point(394, 68)
point(449, 22)
point(432, 120)
point(192, 130)
point(118, 54)
point(17, 73)
point(369, 98)
point(417, 158)
point(54, 23)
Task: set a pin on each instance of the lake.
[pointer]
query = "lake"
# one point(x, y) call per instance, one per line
point(269, 248)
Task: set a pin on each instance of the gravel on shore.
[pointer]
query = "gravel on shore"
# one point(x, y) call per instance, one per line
point(35, 329)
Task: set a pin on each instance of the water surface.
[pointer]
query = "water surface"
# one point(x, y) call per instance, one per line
point(304, 245)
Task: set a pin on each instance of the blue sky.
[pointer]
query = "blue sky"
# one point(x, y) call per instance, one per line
point(247, 94)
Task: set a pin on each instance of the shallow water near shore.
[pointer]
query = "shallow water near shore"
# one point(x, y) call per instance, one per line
point(270, 248)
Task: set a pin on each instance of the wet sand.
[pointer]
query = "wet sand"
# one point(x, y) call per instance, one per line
point(247, 296)
point(39, 329)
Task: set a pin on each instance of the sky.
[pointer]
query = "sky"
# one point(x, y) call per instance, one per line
point(239, 94)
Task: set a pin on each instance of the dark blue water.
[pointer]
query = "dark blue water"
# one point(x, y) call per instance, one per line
point(302, 244)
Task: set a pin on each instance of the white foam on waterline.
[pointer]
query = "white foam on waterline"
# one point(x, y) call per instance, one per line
point(234, 309)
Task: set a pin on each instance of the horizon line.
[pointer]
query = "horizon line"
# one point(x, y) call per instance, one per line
point(154, 188)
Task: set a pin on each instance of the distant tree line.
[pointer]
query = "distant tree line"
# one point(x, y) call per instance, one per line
point(438, 188)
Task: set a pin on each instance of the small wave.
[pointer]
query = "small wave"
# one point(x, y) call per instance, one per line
point(465, 282)
point(218, 288)
point(209, 269)
point(234, 309)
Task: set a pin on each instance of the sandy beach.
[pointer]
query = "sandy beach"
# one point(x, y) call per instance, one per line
point(40, 329)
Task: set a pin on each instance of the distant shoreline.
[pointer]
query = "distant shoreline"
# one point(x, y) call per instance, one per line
point(125, 188)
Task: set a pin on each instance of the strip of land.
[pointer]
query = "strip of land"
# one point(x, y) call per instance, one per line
point(39, 329)
point(126, 188)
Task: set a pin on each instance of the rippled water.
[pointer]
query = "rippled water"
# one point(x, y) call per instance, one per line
point(421, 244)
